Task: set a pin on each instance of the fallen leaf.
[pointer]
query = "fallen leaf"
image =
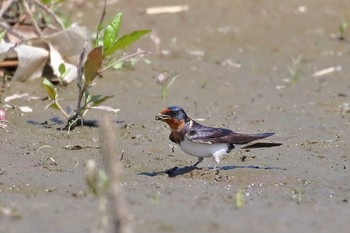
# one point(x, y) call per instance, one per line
point(70, 41)
point(56, 60)
point(31, 60)
point(166, 9)
point(20, 96)
point(327, 71)
point(106, 108)
point(25, 109)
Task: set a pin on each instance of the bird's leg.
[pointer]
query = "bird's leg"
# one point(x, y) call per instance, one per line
point(217, 160)
point(200, 159)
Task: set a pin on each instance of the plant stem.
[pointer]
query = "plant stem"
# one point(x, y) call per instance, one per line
point(114, 169)
point(80, 85)
point(101, 22)
point(121, 60)
point(50, 12)
point(30, 16)
point(61, 109)
point(12, 31)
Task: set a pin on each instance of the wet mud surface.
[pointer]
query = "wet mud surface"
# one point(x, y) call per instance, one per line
point(232, 59)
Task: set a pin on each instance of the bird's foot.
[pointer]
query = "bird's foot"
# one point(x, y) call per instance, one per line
point(198, 162)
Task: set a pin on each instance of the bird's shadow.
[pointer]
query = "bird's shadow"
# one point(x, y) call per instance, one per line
point(177, 171)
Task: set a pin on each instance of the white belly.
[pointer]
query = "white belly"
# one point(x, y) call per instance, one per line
point(203, 150)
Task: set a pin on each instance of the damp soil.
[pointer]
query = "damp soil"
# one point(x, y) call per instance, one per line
point(234, 61)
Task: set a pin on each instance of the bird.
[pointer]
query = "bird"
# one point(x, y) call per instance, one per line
point(205, 142)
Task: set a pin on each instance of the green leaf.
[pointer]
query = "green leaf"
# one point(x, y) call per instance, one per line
point(108, 37)
point(98, 100)
point(99, 28)
point(94, 98)
point(124, 41)
point(2, 35)
point(111, 33)
point(98, 41)
point(87, 97)
point(92, 65)
point(100, 25)
point(62, 69)
point(46, 1)
point(51, 90)
point(52, 105)
point(240, 198)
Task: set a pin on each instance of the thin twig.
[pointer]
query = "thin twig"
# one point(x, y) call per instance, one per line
point(114, 171)
point(12, 31)
point(101, 22)
point(30, 16)
point(122, 59)
point(49, 12)
point(5, 6)
point(80, 77)
point(78, 116)
point(61, 109)
point(80, 65)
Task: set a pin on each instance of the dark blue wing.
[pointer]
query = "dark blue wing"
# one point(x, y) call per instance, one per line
point(208, 135)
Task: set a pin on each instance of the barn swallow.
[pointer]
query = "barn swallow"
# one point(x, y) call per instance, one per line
point(203, 141)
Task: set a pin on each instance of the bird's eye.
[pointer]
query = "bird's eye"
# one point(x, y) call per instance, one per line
point(172, 113)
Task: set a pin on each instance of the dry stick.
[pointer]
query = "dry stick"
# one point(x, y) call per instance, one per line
point(113, 167)
point(12, 31)
point(49, 12)
point(30, 15)
point(6, 5)
point(80, 80)
point(122, 60)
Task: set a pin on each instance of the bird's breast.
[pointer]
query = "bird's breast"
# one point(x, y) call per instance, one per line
point(202, 149)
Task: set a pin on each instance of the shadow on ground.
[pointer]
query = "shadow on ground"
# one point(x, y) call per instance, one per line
point(178, 171)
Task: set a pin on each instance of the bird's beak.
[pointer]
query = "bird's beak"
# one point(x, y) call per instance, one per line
point(162, 117)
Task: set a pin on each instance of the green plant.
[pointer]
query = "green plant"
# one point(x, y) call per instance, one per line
point(101, 58)
point(344, 26)
point(166, 81)
point(240, 198)
point(2, 35)
point(295, 70)
point(63, 72)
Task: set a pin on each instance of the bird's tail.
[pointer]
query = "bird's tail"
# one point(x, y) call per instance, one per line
point(257, 144)
point(262, 135)
point(261, 143)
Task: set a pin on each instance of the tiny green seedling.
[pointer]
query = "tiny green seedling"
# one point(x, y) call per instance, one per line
point(166, 81)
point(63, 73)
point(240, 198)
point(2, 35)
point(295, 70)
point(344, 27)
point(98, 60)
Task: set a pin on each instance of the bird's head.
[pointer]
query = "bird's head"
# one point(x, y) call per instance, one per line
point(174, 116)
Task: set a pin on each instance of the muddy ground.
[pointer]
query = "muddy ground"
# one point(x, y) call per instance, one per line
point(233, 60)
